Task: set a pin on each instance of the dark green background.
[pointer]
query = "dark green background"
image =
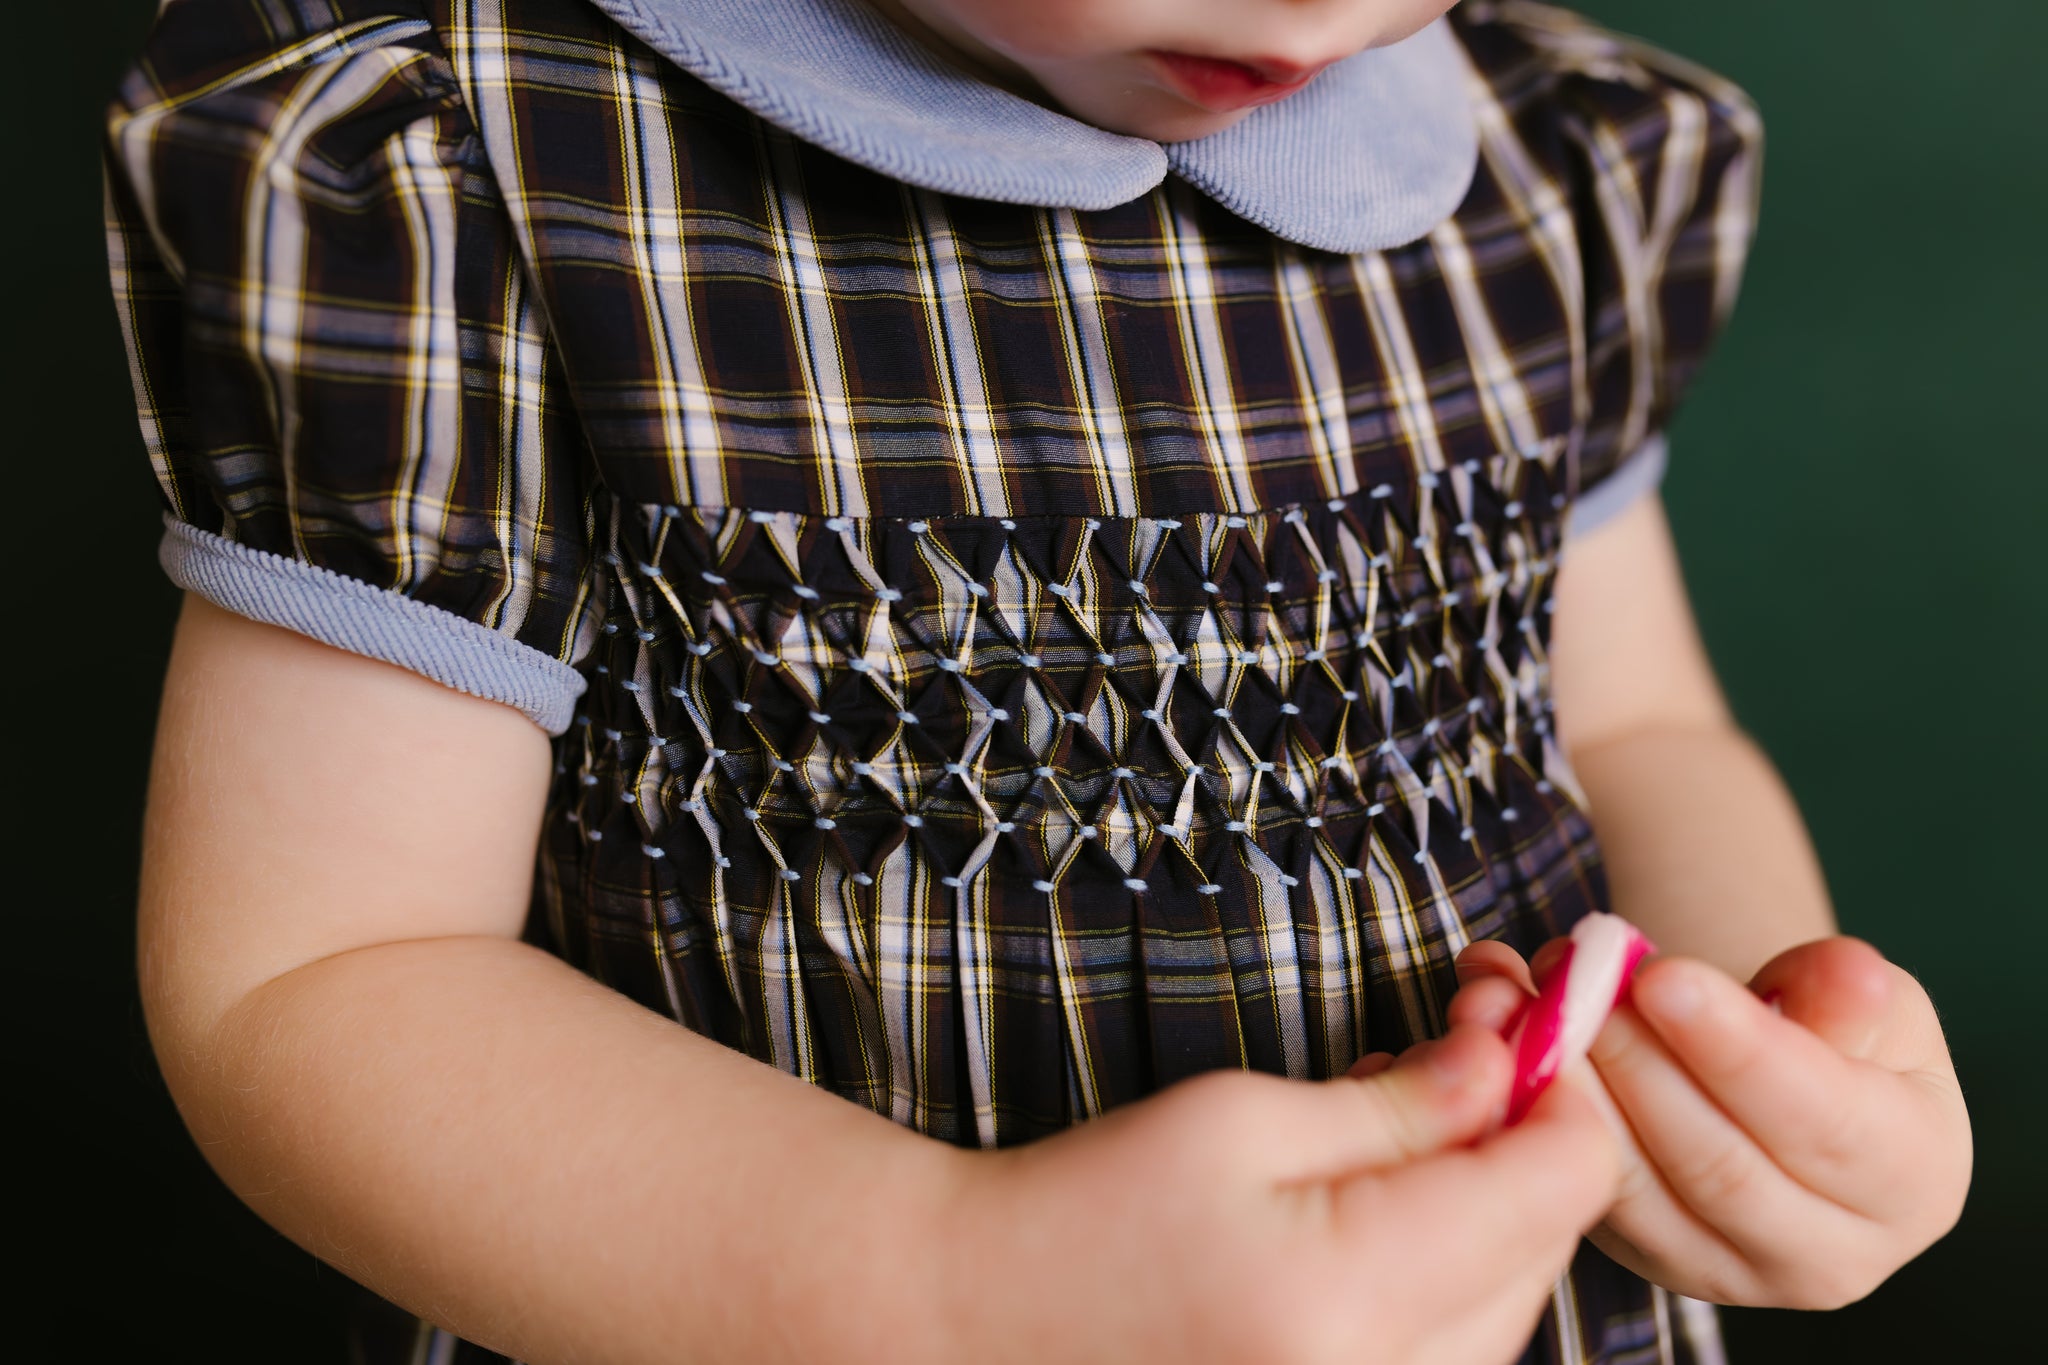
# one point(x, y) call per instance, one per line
point(1858, 488)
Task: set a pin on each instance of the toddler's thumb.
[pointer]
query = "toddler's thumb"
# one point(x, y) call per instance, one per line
point(1840, 988)
point(1439, 1094)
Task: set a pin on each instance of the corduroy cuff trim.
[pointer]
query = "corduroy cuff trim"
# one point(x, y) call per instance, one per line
point(374, 622)
point(1638, 475)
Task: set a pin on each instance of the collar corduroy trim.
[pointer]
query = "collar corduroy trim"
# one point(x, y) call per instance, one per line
point(1373, 153)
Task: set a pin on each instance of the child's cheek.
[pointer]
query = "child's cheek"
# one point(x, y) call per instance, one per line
point(1406, 18)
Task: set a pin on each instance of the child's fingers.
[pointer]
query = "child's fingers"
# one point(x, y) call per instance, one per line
point(1649, 1229)
point(1841, 1128)
point(1493, 986)
point(1846, 992)
point(1547, 957)
point(1678, 1251)
point(1491, 1002)
point(1836, 987)
point(1736, 1180)
point(1493, 1216)
point(1743, 1145)
point(1436, 1095)
point(1491, 958)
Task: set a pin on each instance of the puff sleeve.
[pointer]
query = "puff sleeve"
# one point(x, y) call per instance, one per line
point(357, 421)
point(1665, 159)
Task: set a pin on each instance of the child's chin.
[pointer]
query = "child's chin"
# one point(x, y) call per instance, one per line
point(1199, 125)
point(1154, 115)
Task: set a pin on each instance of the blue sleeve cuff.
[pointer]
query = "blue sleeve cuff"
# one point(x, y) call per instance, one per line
point(1638, 475)
point(376, 623)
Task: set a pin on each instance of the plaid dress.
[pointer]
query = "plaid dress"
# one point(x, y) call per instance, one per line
point(1004, 659)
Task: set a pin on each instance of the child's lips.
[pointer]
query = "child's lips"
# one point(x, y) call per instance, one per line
point(1222, 86)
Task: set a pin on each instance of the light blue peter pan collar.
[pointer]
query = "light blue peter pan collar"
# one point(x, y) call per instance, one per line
point(1373, 153)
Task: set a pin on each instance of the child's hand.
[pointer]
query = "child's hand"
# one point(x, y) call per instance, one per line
point(1794, 1143)
point(1245, 1218)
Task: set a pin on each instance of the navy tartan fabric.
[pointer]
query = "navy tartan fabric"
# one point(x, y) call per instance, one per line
point(1032, 655)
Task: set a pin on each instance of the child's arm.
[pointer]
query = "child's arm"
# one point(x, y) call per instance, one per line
point(1792, 1156)
point(1700, 840)
point(336, 872)
point(337, 866)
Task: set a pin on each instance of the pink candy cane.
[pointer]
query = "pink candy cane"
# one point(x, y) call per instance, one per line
point(1557, 1028)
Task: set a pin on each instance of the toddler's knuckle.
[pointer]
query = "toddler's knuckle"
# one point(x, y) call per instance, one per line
point(1718, 1179)
point(1723, 1283)
point(1638, 1183)
point(1388, 1106)
point(1619, 1053)
point(1841, 1139)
